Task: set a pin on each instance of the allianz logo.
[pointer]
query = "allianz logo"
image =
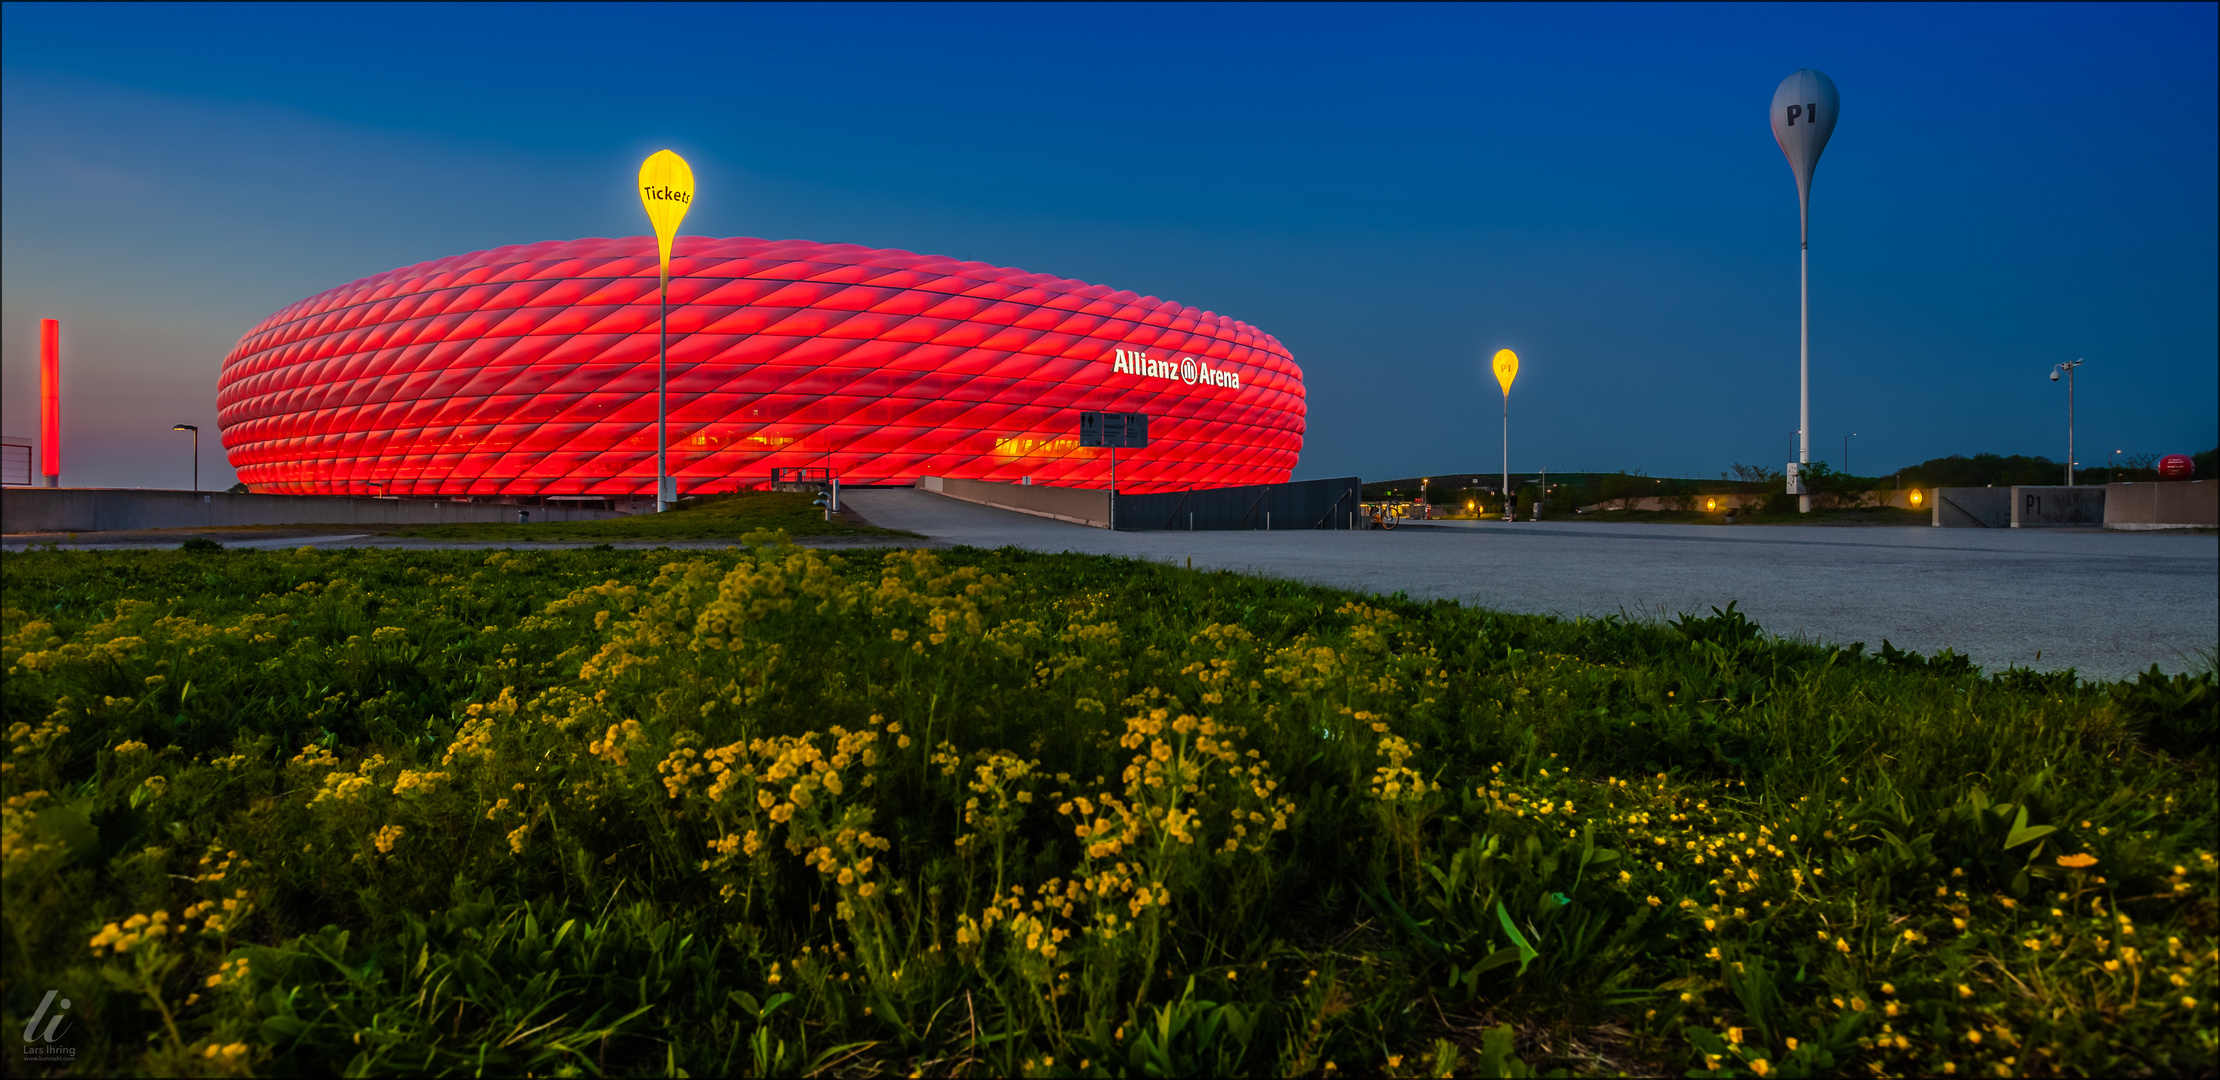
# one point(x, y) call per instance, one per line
point(1140, 364)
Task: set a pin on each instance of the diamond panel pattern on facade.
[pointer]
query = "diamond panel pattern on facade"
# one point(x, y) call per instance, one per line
point(530, 370)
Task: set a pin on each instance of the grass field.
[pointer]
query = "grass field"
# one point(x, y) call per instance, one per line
point(712, 517)
point(779, 812)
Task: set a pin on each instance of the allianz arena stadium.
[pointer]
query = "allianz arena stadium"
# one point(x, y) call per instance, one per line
point(530, 371)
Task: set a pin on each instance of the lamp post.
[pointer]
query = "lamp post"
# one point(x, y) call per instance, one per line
point(196, 452)
point(667, 191)
point(2069, 370)
point(1506, 369)
point(1846, 452)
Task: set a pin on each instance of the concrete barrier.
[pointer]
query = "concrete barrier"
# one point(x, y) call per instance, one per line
point(1970, 508)
point(1899, 498)
point(36, 510)
point(1076, 505)
point(2191, 504)
point(2056, 507)
point(1736, 501)
point(1332, 503)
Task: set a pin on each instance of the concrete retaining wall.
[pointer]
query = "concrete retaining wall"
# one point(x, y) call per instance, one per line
point(28, 510)
point(1076, 505)
point(1900, 498)
point(2193, 504)
point(2055, 507)
point(1970, 508)
point(1666, 502)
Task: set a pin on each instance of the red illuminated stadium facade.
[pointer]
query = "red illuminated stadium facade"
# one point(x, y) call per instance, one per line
point(529, 371)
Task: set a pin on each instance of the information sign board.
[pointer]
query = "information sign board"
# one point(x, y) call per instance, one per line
point(1121, 430)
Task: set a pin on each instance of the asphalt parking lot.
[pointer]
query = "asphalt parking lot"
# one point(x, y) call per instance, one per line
point(2106, 604)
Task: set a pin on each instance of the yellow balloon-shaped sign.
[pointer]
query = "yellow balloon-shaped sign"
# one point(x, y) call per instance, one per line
point(666, 189)
point(1506, 369)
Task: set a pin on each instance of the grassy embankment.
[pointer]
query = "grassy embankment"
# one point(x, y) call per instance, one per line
point(774, 811)
point(713, 517)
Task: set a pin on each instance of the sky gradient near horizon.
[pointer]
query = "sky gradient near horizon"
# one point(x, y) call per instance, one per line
point(1394, 192)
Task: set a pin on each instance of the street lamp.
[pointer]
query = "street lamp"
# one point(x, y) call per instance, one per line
point(666, 190)
point(2069, 370)
point(1846, 452)
point(196, 452)
point(1506, 367)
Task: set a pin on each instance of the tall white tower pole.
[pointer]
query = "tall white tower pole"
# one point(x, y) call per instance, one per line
point(1804, 108)
point(1803, 411)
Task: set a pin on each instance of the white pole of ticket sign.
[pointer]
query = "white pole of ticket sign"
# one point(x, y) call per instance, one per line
point(1804, 108)
point(667, 190)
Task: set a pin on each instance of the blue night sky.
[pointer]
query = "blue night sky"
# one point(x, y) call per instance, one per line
point(1394, 192)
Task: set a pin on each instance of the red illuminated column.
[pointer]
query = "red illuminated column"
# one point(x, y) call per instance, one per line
point(50, 401)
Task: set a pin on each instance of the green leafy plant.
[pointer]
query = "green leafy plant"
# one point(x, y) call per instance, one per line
point(785, 812)
point(2179, 714)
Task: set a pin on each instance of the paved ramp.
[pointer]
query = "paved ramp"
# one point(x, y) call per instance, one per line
point(2106, 604)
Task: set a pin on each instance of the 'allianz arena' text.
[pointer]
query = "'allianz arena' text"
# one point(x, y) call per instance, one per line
point(530, 371)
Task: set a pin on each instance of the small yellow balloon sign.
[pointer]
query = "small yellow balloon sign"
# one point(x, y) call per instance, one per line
point(1506, 369)
point(666, 189)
